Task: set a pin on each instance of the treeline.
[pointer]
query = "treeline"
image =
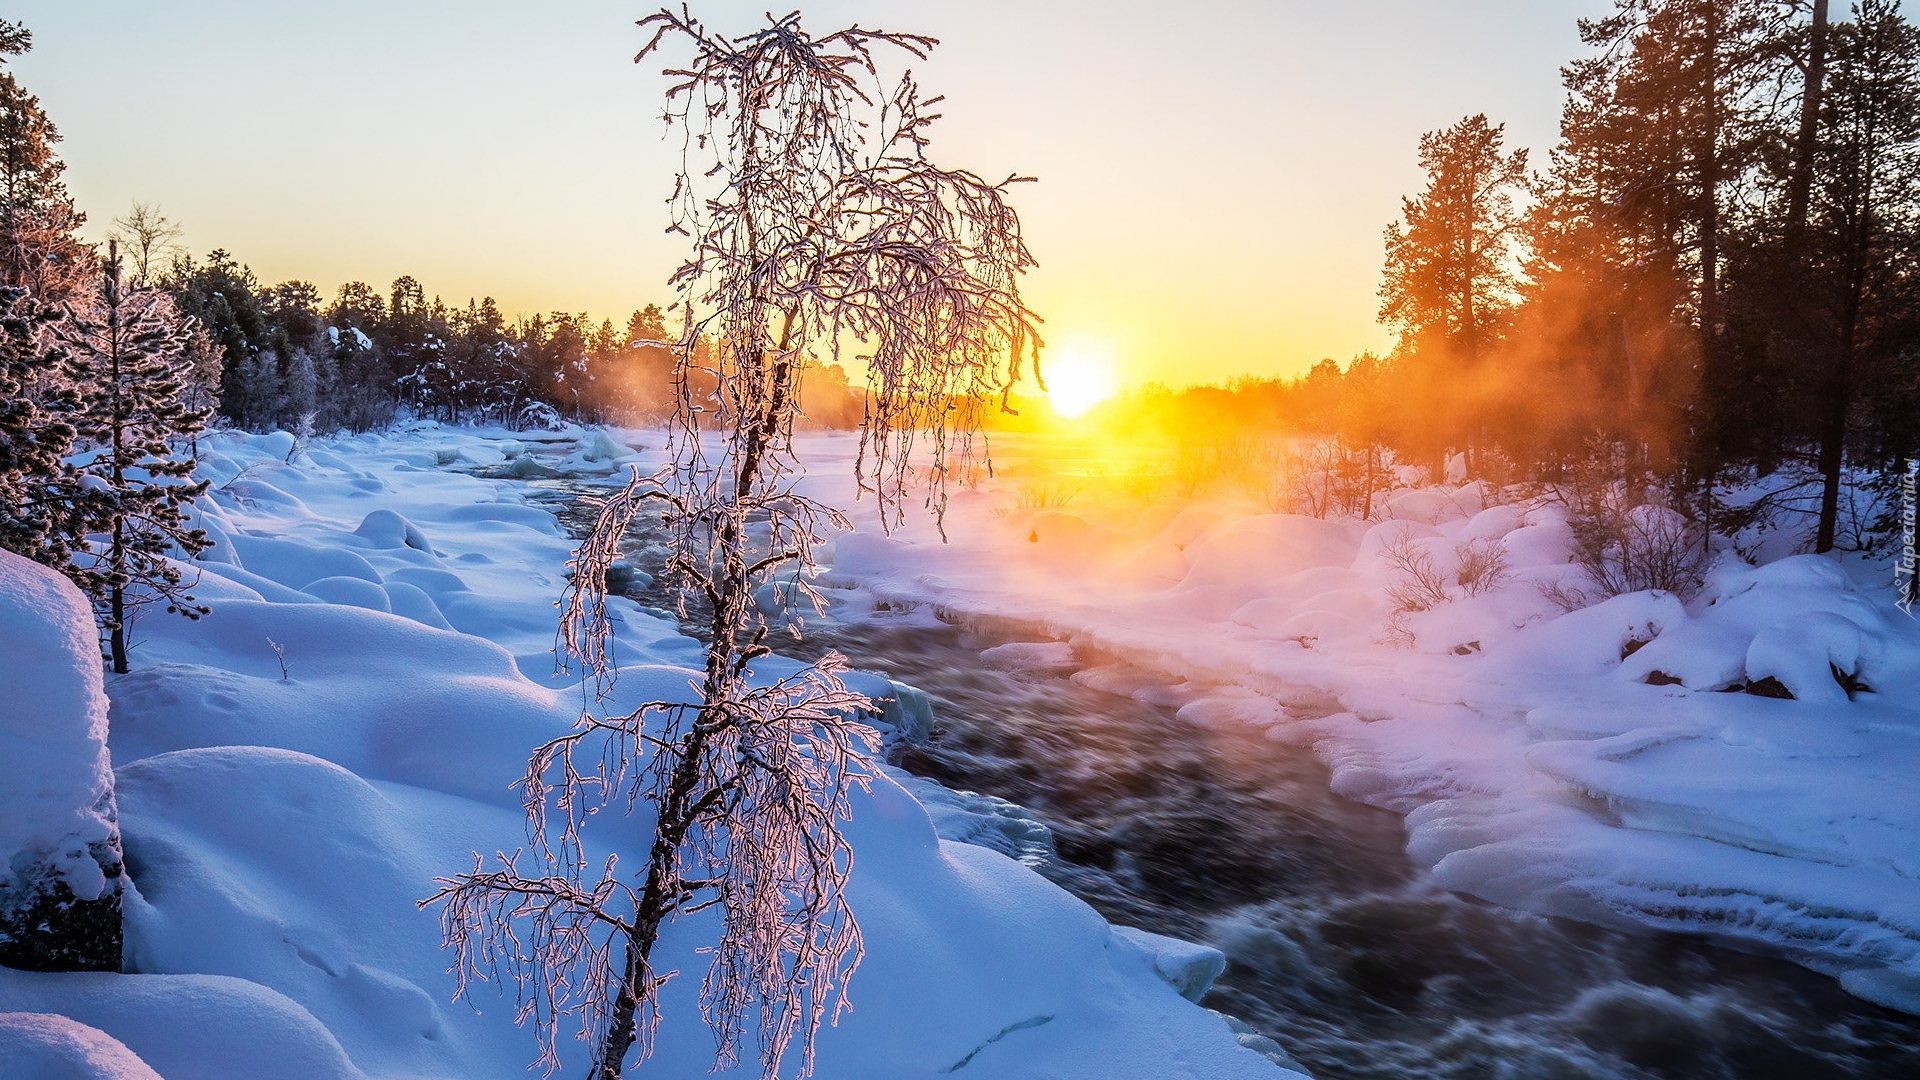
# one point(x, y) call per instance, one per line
point(115, 358)
point(1711, 282)
point(290, 359)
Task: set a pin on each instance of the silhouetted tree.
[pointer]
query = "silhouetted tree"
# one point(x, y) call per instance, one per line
point(1450, 271)
point(149, 237)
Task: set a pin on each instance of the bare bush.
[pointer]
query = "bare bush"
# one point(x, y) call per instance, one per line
point(1480, 566)
point(1417, 585)
point(1643, 547)
point(1626, 537)
point(1046, 495)
point(1483, 565)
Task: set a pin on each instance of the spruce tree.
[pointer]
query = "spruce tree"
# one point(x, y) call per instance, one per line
point(37, 511)
point(38, 249)
point(128, 359)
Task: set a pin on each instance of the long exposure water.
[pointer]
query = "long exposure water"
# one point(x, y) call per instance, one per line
point(1339, 947)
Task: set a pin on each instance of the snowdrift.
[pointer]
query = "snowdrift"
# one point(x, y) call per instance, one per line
point(295, 769)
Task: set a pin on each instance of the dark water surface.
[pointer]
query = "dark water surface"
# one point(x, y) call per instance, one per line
point(1339, 947)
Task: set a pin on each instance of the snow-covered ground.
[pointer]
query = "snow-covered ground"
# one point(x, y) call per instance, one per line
point(1580, 764)
point(293, 771)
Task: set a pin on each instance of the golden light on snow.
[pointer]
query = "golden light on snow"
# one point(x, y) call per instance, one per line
point(1080, 374)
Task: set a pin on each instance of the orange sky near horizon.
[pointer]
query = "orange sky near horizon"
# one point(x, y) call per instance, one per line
point(1213, 182)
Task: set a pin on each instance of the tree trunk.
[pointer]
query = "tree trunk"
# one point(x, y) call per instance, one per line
point(1813, 85)
point(117, 637)
point(1711, 361)
point(1833, 442)
point(622, 1031)
point(1833, 436)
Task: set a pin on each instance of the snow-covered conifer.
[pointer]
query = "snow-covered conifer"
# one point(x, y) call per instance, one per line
point(37, 513)
point(38, 249)
point(128, 359)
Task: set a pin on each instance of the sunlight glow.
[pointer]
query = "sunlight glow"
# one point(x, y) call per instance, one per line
point(1080, 375)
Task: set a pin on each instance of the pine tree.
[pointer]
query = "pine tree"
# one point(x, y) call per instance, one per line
point(1661, 137)
point(1450, 279)
point(38, 249)
point(1856, 295)
point(227, 301)
point(37, 512)
point(127, 358)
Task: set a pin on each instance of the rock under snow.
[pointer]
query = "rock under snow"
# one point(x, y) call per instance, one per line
point(60, 864)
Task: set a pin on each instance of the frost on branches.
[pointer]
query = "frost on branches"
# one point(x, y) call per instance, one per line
point(817, 222)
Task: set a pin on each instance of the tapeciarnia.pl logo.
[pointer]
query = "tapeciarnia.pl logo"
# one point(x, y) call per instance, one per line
point(1903, 564)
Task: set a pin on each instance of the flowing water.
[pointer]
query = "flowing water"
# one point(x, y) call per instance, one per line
point(1339, 947)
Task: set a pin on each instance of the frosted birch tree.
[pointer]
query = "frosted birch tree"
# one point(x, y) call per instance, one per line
point(818, 225)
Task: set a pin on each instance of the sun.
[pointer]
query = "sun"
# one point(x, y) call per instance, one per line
point(1079, 376)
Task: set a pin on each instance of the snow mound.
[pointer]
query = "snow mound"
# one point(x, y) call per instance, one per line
point(41, 1046)
point(188, 1027)
point(1187, 967)
point(58, 839)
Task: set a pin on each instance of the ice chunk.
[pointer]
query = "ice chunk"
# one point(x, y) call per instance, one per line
point(602, 447)
point(1053, 657)
point(528, 467)
point(1187, 967)
point(986, 821)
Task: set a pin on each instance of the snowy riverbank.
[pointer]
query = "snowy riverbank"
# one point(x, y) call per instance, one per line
point(1581, 764)
point(293, 770)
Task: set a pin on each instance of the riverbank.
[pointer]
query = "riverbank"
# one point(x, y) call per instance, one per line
point(294, 769)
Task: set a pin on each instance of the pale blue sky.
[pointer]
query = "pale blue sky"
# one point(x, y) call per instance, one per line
point(1214, 176)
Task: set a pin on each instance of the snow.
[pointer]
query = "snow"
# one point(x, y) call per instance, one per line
point(1577, 763)
point(42, 1046)
point(56, 806)
point(1189, 968)
point(298, 766)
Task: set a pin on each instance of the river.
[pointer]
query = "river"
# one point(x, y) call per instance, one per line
point(1339, 947)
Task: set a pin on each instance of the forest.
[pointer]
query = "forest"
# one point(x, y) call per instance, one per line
point(1708, 290)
